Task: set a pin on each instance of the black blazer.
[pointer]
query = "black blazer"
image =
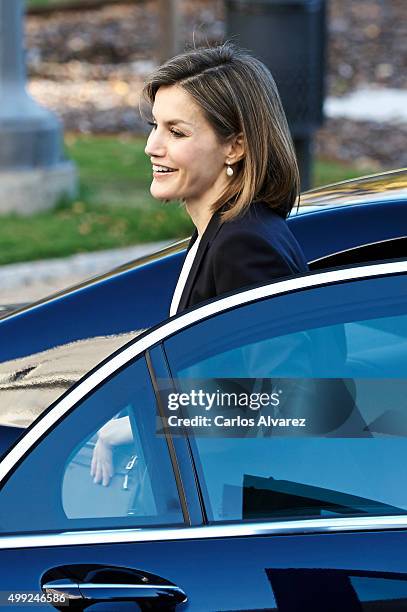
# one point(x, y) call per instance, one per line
point(255, 248)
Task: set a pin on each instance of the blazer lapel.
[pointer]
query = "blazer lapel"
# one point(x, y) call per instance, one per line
point(209, 234)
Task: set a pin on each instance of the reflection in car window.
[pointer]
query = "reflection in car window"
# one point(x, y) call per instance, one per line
point(141, 489)
point(128, 490)
point(338, 354)
point(28, 385)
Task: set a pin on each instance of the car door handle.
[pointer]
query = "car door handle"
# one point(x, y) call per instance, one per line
point(62, 592)
point(82, 586)
point(89, 594)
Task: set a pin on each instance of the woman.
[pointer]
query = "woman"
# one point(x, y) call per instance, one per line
point(220, 144)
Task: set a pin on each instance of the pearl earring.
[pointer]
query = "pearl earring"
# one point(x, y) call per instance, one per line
point(229, 170)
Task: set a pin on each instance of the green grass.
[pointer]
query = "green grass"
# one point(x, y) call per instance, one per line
point(114, 207)
point(45, 3)
point(40, 3)
point(36, 3)
point(81, 227)
point(113, 170)
point(326, 172)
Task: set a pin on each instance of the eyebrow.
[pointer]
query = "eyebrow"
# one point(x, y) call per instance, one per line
point(174, 121)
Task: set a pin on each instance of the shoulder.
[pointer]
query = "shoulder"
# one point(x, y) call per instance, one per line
point(259, 236)
point(259, 223)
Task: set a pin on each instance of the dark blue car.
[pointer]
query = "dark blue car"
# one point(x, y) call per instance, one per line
point(268, 453)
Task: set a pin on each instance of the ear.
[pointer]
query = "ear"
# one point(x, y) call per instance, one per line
point(235, 149)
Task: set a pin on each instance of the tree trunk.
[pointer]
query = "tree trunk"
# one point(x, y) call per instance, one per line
point(169, 30)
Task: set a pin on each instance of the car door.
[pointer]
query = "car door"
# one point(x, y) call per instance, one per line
point(204, 523)
point(330, 453)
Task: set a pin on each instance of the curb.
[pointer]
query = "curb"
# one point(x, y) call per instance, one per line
point(81, 265)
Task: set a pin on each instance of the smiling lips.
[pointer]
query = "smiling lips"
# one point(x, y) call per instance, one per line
point(162, 170)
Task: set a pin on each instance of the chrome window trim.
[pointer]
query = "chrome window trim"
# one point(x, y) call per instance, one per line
point(176, 324)
point(335, 201)
point(355, 248)
point(241, 530)
point(90, 585)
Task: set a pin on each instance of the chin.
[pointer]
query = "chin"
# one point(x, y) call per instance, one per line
point(160, 195)
point(163, 197)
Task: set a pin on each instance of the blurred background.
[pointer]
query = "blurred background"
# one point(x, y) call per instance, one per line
point(86, 61)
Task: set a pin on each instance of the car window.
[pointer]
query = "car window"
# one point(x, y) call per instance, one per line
point(28, 385)
point(378, 251)
point(333, 363)
point(57, 487)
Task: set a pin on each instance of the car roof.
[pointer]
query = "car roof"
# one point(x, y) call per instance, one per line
point(391, 185)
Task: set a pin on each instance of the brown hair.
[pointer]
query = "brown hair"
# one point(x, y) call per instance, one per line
point(237, 94)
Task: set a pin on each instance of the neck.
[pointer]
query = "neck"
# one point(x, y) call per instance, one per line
point(200, 216)
point(199, 209)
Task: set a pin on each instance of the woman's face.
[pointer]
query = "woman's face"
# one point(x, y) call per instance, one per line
point(183, 141)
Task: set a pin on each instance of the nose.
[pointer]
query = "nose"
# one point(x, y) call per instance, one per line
point(155, 145)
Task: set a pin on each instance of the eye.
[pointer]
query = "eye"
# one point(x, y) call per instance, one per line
point(176, 133)
point(153, 124)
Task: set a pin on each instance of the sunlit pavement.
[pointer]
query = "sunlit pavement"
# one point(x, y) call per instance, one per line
point(25, 282)
point(370, 104)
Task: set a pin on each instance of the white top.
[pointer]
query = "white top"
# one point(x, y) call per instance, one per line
point(182, 279)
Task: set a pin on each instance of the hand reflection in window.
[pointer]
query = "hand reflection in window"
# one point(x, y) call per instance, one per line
point(113, 433)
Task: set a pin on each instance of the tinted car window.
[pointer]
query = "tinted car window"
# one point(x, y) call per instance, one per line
point(53, 488)
point(378, 251)
point(336, 357)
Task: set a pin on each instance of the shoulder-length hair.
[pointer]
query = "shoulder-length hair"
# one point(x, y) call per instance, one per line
point(238, 95)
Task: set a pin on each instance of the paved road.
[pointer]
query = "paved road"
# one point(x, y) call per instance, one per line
point(25, 282)
point(370, 104)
